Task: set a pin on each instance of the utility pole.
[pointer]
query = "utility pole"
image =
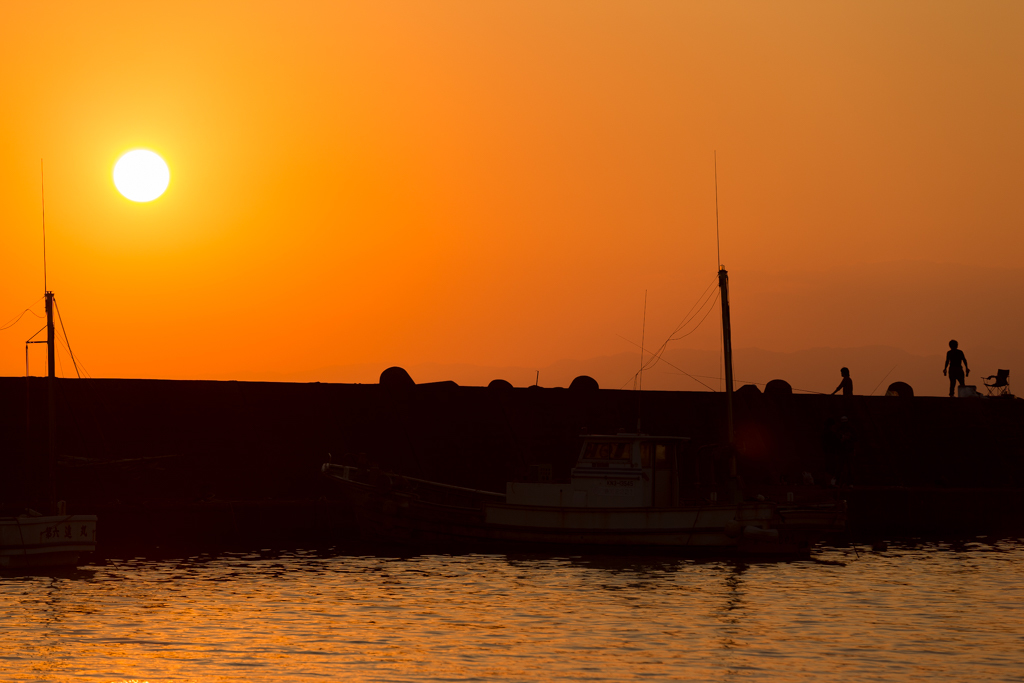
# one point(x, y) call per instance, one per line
point(51, 386)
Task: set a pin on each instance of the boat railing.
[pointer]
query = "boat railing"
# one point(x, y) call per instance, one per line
point(432, 491)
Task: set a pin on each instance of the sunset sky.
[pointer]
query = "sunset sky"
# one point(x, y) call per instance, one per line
point(499, 183)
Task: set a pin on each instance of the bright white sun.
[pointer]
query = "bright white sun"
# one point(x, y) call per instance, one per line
point(141, 175)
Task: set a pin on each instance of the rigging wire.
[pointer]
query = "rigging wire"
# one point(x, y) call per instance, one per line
point(659, 354)
point(713, 302)
point(60, 363)
point(882, 380)
point(64, 345)
point(695, 310)
point(97, 400)
point(760, 384)
point(79, 365)
point(742, 381)
point(14, 321)
point(79, 369)
point(70, 352)
point(697, 305)
point(75, 422)
point(693, 377)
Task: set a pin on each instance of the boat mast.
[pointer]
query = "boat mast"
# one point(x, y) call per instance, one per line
point(51, 358)
point(723, 285)
point(51, 387)
point(734, 489)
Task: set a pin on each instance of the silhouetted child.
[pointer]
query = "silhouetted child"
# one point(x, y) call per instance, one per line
point(954, 357)
point(846, 385)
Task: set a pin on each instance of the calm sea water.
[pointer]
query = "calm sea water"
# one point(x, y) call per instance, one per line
point(934, 612)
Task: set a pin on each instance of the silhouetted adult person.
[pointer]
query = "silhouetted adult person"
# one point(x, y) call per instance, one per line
point(846, 385)
point(954, 358)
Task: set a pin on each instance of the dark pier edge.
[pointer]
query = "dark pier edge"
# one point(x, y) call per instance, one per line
point(196, 462)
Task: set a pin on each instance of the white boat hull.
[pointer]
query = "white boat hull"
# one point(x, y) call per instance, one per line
point(413, 510)
point(46, 541)
point(703, 526)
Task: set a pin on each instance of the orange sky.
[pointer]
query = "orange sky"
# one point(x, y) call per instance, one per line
point(499, 183)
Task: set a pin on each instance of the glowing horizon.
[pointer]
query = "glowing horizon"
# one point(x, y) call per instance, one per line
point(499, 185)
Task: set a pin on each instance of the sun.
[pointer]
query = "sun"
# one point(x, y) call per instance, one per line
point(141, 175)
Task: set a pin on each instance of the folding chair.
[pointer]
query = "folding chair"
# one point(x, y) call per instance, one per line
point(1001, 386)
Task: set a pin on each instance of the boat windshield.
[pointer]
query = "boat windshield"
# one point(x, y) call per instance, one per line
point(608, 450)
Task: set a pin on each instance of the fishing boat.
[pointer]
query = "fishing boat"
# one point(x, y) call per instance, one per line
point(626, 491)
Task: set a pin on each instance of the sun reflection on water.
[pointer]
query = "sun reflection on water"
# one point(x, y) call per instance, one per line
point(937, 612)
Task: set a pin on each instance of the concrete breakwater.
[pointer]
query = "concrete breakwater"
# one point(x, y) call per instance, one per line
point(154, 456)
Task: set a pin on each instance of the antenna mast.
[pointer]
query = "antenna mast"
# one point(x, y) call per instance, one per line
point(718, 238)
point(42, 199)
point(643, 332)
point(640, 375)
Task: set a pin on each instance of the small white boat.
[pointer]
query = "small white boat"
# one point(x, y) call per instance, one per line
point(28, 541)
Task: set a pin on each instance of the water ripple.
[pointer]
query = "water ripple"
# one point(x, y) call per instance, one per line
point(936, 612)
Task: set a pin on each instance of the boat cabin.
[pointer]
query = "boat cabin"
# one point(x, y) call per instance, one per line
point(613, 471)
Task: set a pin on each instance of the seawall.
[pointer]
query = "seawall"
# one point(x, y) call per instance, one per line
point(153, 455)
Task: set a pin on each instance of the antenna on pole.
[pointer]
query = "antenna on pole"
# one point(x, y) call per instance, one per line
point(42, 199)
point(718, 238)
point(640, 375)
point(643, 331)
point(718, 263)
